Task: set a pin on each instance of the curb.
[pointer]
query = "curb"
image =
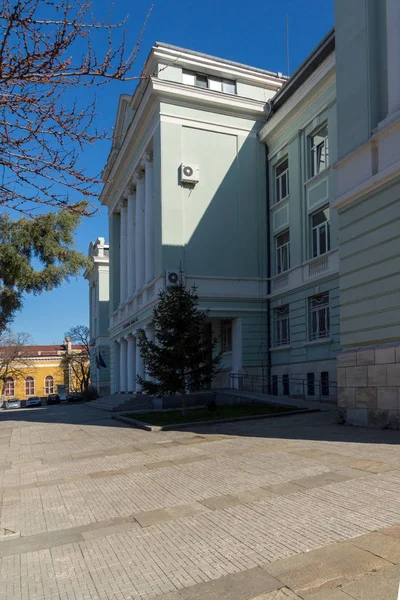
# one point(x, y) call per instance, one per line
point(148, 427)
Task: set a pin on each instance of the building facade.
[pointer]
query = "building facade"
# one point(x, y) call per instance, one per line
point(368, 205)
point(300, 135)
point(98, 277)
point(39, 371)
point(185, 187)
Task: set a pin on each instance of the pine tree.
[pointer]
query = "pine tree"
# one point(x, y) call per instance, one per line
point(182, 357)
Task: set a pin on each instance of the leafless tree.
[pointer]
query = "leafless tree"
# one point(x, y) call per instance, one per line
point(12, 356)
point(47, 52)
point(77, 360)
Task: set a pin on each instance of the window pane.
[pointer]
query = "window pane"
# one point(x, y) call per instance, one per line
point(320, 217)
point(188, 77)
point(284, 186)
point(215, 83)
point(283, 238)
point(322, 239)
point(281, 168)
point(229, 87)
point(314, 243)
point(201, 81)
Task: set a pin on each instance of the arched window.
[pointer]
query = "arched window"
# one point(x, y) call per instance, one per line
point(49, 385)
point(29, 386)
point(9, 388)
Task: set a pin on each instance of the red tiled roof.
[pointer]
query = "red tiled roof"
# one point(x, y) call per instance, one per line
point(47, 350)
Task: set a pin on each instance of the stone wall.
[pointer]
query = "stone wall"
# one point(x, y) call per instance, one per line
point(369, 385)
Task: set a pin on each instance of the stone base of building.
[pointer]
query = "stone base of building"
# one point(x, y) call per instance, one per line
point(369, 385)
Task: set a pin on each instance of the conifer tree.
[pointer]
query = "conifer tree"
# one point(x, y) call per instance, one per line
point(182, 358)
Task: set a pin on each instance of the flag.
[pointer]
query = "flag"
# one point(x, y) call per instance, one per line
point(101, 361)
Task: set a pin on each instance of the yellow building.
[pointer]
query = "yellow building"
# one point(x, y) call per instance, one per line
point(39, 371)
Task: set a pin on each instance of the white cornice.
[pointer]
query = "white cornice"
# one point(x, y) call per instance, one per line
point(322, 77)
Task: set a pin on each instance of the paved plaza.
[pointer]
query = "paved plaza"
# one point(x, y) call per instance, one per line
point(290, 508)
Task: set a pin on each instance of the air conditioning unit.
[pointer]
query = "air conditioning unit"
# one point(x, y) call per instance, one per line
point(190, 173)
point(173, 277)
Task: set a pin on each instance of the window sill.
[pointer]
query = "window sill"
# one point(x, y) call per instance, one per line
point(278, 348)
point(282, 200)
point(319, 342)
point(317, 176)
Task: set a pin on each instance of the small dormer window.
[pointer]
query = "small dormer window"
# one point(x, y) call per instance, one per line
point(217, 84)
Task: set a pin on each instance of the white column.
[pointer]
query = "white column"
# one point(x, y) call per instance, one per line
point(393, 53)
point(123, 255)
point(117, 368)
point(131, 267)
point(236, 350)
point(148, 219)
point(123, 364)
point(139, 367)
point(150, 334)
point(139, 230)
point(131, 364)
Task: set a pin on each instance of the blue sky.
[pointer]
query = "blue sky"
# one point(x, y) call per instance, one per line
point(253, 33)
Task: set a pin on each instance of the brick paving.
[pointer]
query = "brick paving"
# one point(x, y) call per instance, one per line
point(95, 510)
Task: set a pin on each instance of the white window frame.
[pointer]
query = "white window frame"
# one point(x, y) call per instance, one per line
point(319, 315)
point(226, 335)
point(279, 181)
point(29, 381)
point(48, 389)
point(281, 251)
point(325, 226)
point(319, 149)
point(190, 78)
point(282, 315)
point(9, 387)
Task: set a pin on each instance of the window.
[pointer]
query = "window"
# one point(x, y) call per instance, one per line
point(285, 383)
point(226, 336)
point(282, 326)
point(218, 84)
point(310, 384)
point(282, 252)
point(325, 383)
point(319, 150)
point(282, 180)
point(321, 242)
point(9, 387)
point(49, 385)
point(29, 386)
point(319, 316)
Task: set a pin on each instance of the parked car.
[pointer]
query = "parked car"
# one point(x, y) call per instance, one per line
point(53, 399)
point(12, 403)
point(34, 401)
point(74, 397)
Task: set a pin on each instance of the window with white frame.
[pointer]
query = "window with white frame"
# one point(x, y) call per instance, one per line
point(29, 386)
point(319, 316)
point(319, 150)
point(282, 326)
point(9, 387)
point(226, 335)
point(282, 252)
point(282, 180)
point(320, 232)
point(49, 385)
point(218, 84)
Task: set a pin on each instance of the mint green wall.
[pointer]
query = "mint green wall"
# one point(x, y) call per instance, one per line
point(114, 233)
point(361, 66)
point(370, 268)
point(216, 227)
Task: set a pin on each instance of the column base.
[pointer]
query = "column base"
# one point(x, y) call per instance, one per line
point(369, 385)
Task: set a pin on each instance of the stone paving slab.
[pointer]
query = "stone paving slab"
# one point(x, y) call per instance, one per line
point(104, 512)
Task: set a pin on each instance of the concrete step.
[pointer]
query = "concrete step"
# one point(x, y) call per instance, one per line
point(123, 402)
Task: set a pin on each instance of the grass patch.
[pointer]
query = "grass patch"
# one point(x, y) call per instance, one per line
point(203, 414)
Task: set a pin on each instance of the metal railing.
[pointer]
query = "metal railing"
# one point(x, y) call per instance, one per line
point(291, 387)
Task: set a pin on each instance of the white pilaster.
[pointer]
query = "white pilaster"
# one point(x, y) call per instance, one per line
point(123, 364)
point(237, 355)
point(116, 386)
point(139, 367)
point(393, 53)
point(139, 230)
point(131, 364)
point(131, 267)
point(123, 255)
point(147, 163)
point(150, 334)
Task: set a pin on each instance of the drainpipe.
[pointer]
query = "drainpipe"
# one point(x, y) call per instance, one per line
point(269, 343)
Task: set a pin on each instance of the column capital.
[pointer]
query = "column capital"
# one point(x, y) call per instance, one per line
point(122, 204)
point(138, 176)
point(147, 158)
point(129, 190)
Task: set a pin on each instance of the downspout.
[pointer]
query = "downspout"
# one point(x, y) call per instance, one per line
point(269, 343)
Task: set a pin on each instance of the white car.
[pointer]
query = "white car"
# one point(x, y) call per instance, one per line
point(34, 401)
